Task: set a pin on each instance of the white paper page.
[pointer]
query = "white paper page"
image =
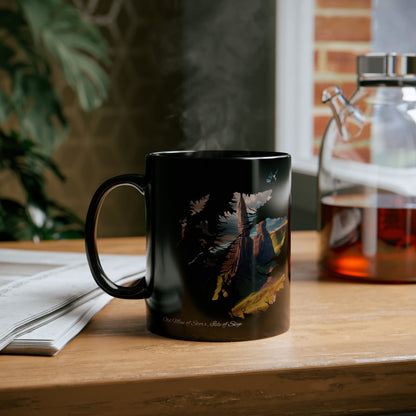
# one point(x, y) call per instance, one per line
point(51, 334)
point(36, 284)
point(51, 337)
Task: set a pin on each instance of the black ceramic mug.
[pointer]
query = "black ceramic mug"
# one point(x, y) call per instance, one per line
point(218, 244)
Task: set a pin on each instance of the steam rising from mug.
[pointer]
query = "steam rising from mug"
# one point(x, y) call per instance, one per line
point(228, 64)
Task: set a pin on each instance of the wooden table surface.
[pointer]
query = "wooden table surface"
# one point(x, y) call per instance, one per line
point(351, 349)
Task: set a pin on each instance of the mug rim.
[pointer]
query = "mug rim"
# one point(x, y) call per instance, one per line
point(220, 154)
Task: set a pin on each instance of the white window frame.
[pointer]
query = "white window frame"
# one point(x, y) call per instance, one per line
point(294, 82)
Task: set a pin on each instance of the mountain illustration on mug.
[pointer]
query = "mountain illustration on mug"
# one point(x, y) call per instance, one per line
point(235, 251)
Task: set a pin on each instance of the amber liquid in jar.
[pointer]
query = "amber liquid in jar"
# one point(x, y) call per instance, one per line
point(370, 238)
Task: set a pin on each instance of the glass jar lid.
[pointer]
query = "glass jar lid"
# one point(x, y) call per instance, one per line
point(388, 68)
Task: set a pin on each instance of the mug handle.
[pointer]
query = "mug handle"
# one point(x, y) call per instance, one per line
point(140, 289)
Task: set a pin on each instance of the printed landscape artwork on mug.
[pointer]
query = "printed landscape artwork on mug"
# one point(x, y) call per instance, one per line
point(233, 251)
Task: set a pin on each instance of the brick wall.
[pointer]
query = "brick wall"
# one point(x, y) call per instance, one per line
point(342, 32)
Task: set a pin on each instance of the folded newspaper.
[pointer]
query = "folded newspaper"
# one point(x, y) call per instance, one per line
point(46, 298)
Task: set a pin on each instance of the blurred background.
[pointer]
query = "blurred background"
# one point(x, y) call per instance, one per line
point(184, 74)
point(187, 74)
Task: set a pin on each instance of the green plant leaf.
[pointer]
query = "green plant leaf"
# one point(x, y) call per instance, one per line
point(33, 34)
point(6, 55)
point(39, 217)
point(27, 164)
point(4, 107)
point(14, 222)
point(59, 30)
point(12, 24)
point(41, 118)
point(16, 38)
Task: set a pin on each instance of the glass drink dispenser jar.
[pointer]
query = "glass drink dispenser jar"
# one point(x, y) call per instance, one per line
point(367, 174)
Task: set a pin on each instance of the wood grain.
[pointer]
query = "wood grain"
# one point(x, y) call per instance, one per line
point(351, 349)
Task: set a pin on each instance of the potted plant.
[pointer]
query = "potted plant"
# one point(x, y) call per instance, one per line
point(37, 38)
